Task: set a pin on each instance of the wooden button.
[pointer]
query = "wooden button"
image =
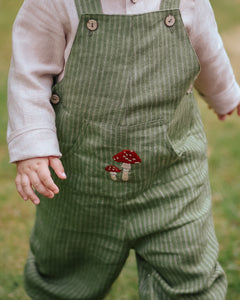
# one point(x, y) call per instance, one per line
point(134, 1)
point(92, 25)
point(55, 99)
point(170, 21)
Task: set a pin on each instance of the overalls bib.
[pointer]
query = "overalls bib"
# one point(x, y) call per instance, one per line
point(134, 152)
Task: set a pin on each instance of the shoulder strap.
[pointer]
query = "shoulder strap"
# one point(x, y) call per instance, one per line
point(88, 7)
point(169, 4)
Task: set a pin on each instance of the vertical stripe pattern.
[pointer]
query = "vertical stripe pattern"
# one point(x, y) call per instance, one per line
point(126, 86)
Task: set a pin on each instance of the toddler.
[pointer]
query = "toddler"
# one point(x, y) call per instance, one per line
point(107, 87)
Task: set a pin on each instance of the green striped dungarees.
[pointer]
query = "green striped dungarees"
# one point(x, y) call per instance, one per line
point(134, 151)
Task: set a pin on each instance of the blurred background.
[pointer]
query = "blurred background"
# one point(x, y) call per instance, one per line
point(16, 217)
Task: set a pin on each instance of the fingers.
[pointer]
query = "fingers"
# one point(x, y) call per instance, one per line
point(222, 117)
point(46, 181)
point(56, 164)
point(25, 190)
point(34, 175)
point(19, 187)
point(44, 188)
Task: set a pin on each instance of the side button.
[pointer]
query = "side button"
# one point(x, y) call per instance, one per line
point(55, 99)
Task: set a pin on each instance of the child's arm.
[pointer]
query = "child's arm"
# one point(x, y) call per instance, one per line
point(39, 43)
point(38, 48)
point(33, 174)
point(216, 81)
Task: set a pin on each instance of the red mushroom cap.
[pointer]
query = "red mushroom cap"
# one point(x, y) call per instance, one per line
point(113, 169)
point(127, 156)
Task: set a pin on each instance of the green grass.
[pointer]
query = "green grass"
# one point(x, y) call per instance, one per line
point(16, 217)
point(227, 13)
point(8, 11)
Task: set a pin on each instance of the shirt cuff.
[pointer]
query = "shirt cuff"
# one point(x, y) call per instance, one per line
point(34, 143)
point(225, 101)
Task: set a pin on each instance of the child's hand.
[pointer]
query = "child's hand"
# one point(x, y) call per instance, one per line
point(34, 174)
point(223, 117)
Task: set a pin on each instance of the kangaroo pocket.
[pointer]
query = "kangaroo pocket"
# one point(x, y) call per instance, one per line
point(96, 146)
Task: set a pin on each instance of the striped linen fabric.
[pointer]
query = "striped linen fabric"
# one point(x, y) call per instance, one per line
point(126, 94)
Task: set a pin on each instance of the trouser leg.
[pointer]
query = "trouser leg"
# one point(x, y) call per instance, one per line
point(180, 265)
point(176, 246)
point(180, 260)
point(77, 251)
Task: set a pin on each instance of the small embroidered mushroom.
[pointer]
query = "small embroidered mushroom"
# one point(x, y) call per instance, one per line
point(128, 158)
point(113, 170)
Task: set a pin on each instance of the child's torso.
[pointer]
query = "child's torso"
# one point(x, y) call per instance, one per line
point(127, 87)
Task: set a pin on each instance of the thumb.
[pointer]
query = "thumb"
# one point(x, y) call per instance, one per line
point(56, 164)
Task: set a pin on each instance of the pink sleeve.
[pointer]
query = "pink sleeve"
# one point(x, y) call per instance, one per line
point(38, 46)
point(216, 81)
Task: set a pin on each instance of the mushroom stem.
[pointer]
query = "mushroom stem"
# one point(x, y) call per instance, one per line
point(113, 175)
point(126, 167)
point(125, 175)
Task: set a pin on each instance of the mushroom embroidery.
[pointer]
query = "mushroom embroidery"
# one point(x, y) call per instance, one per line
point(113, 170)
point(128, 158)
